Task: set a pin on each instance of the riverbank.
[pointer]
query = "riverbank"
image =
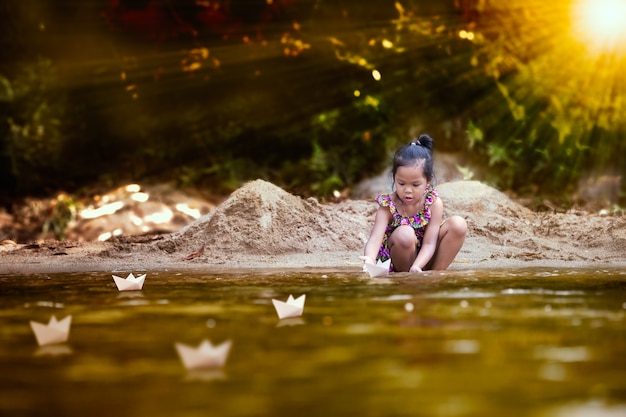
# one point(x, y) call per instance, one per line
point(262, 227)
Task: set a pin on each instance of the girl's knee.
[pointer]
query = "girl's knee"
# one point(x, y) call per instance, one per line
point(457, 226)
point(404, 236)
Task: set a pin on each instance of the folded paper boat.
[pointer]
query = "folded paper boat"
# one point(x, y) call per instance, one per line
point(53, 332)
point(291, 308)
point(379, 270)
point(130, 283)
point(205, 356)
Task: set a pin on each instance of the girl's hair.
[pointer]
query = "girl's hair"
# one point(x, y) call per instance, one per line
point(420, 149)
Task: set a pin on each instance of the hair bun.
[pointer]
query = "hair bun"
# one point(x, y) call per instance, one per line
point(425, 141)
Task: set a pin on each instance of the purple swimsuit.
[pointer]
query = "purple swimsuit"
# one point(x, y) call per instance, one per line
point(418, 221)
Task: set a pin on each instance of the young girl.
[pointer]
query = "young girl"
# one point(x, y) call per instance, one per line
point(408, 227)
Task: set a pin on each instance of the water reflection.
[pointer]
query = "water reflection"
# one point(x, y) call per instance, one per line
point(517, 343)
point(563, 354)
point(462, 346)
point(53, 350)
point(205, 375)
point(132, 298)
point(290, 321)
point(594, 408)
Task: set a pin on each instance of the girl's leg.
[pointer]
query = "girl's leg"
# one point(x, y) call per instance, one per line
point(403, 248)
point(451, 237)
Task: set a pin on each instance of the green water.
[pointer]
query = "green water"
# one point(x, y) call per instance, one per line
point(489, 343)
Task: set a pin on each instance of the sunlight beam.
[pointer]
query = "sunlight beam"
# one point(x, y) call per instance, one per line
point(600, 25)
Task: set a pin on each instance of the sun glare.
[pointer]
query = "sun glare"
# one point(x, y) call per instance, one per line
point(600, 24)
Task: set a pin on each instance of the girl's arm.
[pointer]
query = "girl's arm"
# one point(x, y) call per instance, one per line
point(431, 235)
point(383, 216)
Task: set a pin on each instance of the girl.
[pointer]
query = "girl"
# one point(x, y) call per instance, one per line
point(408, 227)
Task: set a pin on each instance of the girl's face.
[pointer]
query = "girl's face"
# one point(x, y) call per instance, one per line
point(411, 183)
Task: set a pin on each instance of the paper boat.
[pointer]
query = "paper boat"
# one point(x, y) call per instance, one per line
point(130, 283)
point(379, 270)
point(291, 308)
point(53, 332)
point(204, 356)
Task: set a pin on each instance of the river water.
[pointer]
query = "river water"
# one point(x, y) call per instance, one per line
point(531, 342)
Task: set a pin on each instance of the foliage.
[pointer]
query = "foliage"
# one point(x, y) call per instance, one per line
point(33, 140)
point(311, 95)
point(64, 211)
point(559, 112)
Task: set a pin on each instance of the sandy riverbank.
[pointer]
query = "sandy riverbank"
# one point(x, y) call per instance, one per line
point(262, 227)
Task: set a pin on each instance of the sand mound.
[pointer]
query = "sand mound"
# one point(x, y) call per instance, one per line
point(511, 230)
point(262, 226)
point(488, 211)
point(263, 219)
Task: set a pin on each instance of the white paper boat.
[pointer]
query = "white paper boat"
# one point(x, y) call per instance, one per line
point(204, 356)
point(379, 270)
point(130, 283)
point(291, 308)
point(53, 332)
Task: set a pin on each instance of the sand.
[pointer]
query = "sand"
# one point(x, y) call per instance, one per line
point(263, 227)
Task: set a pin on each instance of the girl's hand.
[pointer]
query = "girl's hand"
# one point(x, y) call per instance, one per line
point(366, 260)
point(415, 269)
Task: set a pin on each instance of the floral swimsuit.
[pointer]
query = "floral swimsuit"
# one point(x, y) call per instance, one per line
point(419, 221)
